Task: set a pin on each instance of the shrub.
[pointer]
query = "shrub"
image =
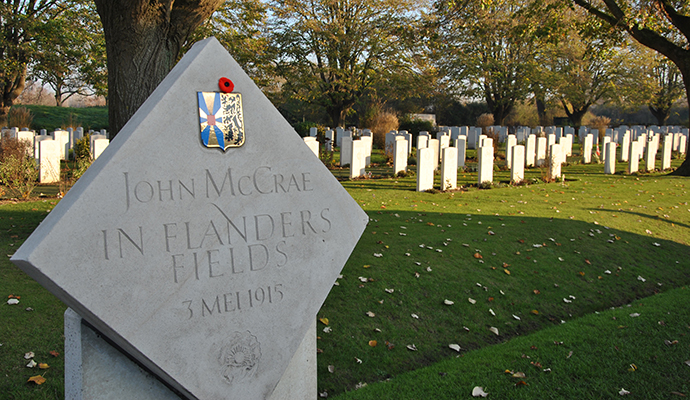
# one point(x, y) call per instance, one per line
point(18, 171)
point(382, 123)
point(484, 121)
point(601, 123)
point(20, 117)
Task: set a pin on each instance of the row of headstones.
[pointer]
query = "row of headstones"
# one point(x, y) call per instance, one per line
point(50, 148)
point(355, 151)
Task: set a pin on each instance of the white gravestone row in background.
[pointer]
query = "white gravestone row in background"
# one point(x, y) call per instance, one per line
point(185, 266)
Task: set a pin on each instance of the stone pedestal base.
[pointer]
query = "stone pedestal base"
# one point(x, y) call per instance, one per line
point(95, 370)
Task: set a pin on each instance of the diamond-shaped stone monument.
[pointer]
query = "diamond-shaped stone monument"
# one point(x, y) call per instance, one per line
point(205, 238)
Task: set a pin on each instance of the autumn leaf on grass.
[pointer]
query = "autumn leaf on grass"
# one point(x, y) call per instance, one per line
point(373, 343)
point(43, 366)
point(12, 301)
point(38, 379)
point(331, 369)
point(448, 302)
point(323, 321)
point(31, 364)
point(477, 255)
point(518, 375)
point(370, 314)
point(478, 391)
point(29, 355)
point(455, 347)
point(55, 353)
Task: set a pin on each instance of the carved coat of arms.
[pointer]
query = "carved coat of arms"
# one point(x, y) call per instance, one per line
point(221, 119)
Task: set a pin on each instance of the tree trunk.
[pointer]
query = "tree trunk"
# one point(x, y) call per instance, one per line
point(143, 41)
point(576, 115)
point(12, 86)
point(660, 113)
point(541, 111)
point(684, 169)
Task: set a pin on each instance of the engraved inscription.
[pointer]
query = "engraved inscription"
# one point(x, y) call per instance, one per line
point(239, 357)
point(234, 301)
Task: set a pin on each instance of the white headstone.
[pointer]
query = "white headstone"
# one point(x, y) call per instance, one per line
point(650, 156)
point(510, 142)
point(531, 151)
point(587, 149)
point(49, 153)
point(345, 150)
point(313, 131)
point(449, 168)
point(399, 155)
point(610, 158)
point(312, 143)
point(62, 137)
point(461, 145)
point(434, 145)
point(683, 144)
point(422, 142)
point(540, 159)
point(634, 161)
point(359, 159)
point(368, 143)
point(183, 265)
point(517, 170)
point(485, 165)
point(554, 163)
point(666, 152)
point(99, 145)
point(625, 146)
point(425, 169)
point(330, 138)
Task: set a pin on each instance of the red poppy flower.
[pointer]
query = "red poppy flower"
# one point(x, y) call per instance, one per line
point(226, 85)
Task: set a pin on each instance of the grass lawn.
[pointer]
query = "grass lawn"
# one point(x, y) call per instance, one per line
point(52, 118)
point(503, 273)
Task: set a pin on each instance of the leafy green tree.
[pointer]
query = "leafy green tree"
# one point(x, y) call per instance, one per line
point(330, 52)
point(487, 49)
point(662, 25)
point(62, 57)
point(652, 80)
point(21, 24)
point(241, 27)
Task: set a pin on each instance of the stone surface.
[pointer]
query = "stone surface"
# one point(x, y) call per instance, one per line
point(510, 142)
point(610, 158)
point(517, 170)
point(587, 149)
point(49, 153)
point(312, 143)
point(449, 168)
point(531, 151)
point(345, 150)
point(425, 169)
point(461, 145)
point(181, 264)
point(95, 370)
point(99, 146)
point(540, 158)
point(358, 160)
point(555, 161)
point(485, 165)
point(434, 145)
point(400, 155)
point(634, 161)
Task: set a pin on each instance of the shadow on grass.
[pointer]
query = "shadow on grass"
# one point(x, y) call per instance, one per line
point(533, 273)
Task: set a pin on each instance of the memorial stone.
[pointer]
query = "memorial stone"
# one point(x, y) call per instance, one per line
point(433, 145)
point(540, 159)
point(425, 169)
point(99, 145)
point(554, 163)
point(634, 160)
point(485, 165)
point(329, 139)
point(531, 151)
point(610, 158)
point(510, 142)
point(682, 144)
point(666, 152)
point(49, 154)
point(517, 170)
point(62, 137)
point(345, 150)
point(368, 143)
point(400, 155)
point(461, 145)
point(587, 149)
point(650, 156)
point(422, 142)
point(209, 272)
point(449, 168)
point(625, 146)
point(358, 160)
point(311, 142)
point(339, 133)
point(313, 131)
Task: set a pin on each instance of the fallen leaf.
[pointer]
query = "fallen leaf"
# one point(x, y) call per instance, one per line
point(492, 312)
point(535, 312)
point(323, 321)
point(477, 255)
point(370, 314)
point(516, 317)
point(588, 262)
point(12, 301)
point(494, 330)
point(31, 364)
point(634, 315)
point(518, 375)
point(38, 379)
point(367, 266)
point(29, 355)
point(331, 369)
point(478, 391)
point(323, 394)
point(521, 383)
point(43, 366)
point(623, 392)
point(389, 290)
point(536, 291)
point(448, 302)
point(454, 346)
point(358, 360)
point(471, 300)
point(412, 347)
point(373, 343)
point(415, 316)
